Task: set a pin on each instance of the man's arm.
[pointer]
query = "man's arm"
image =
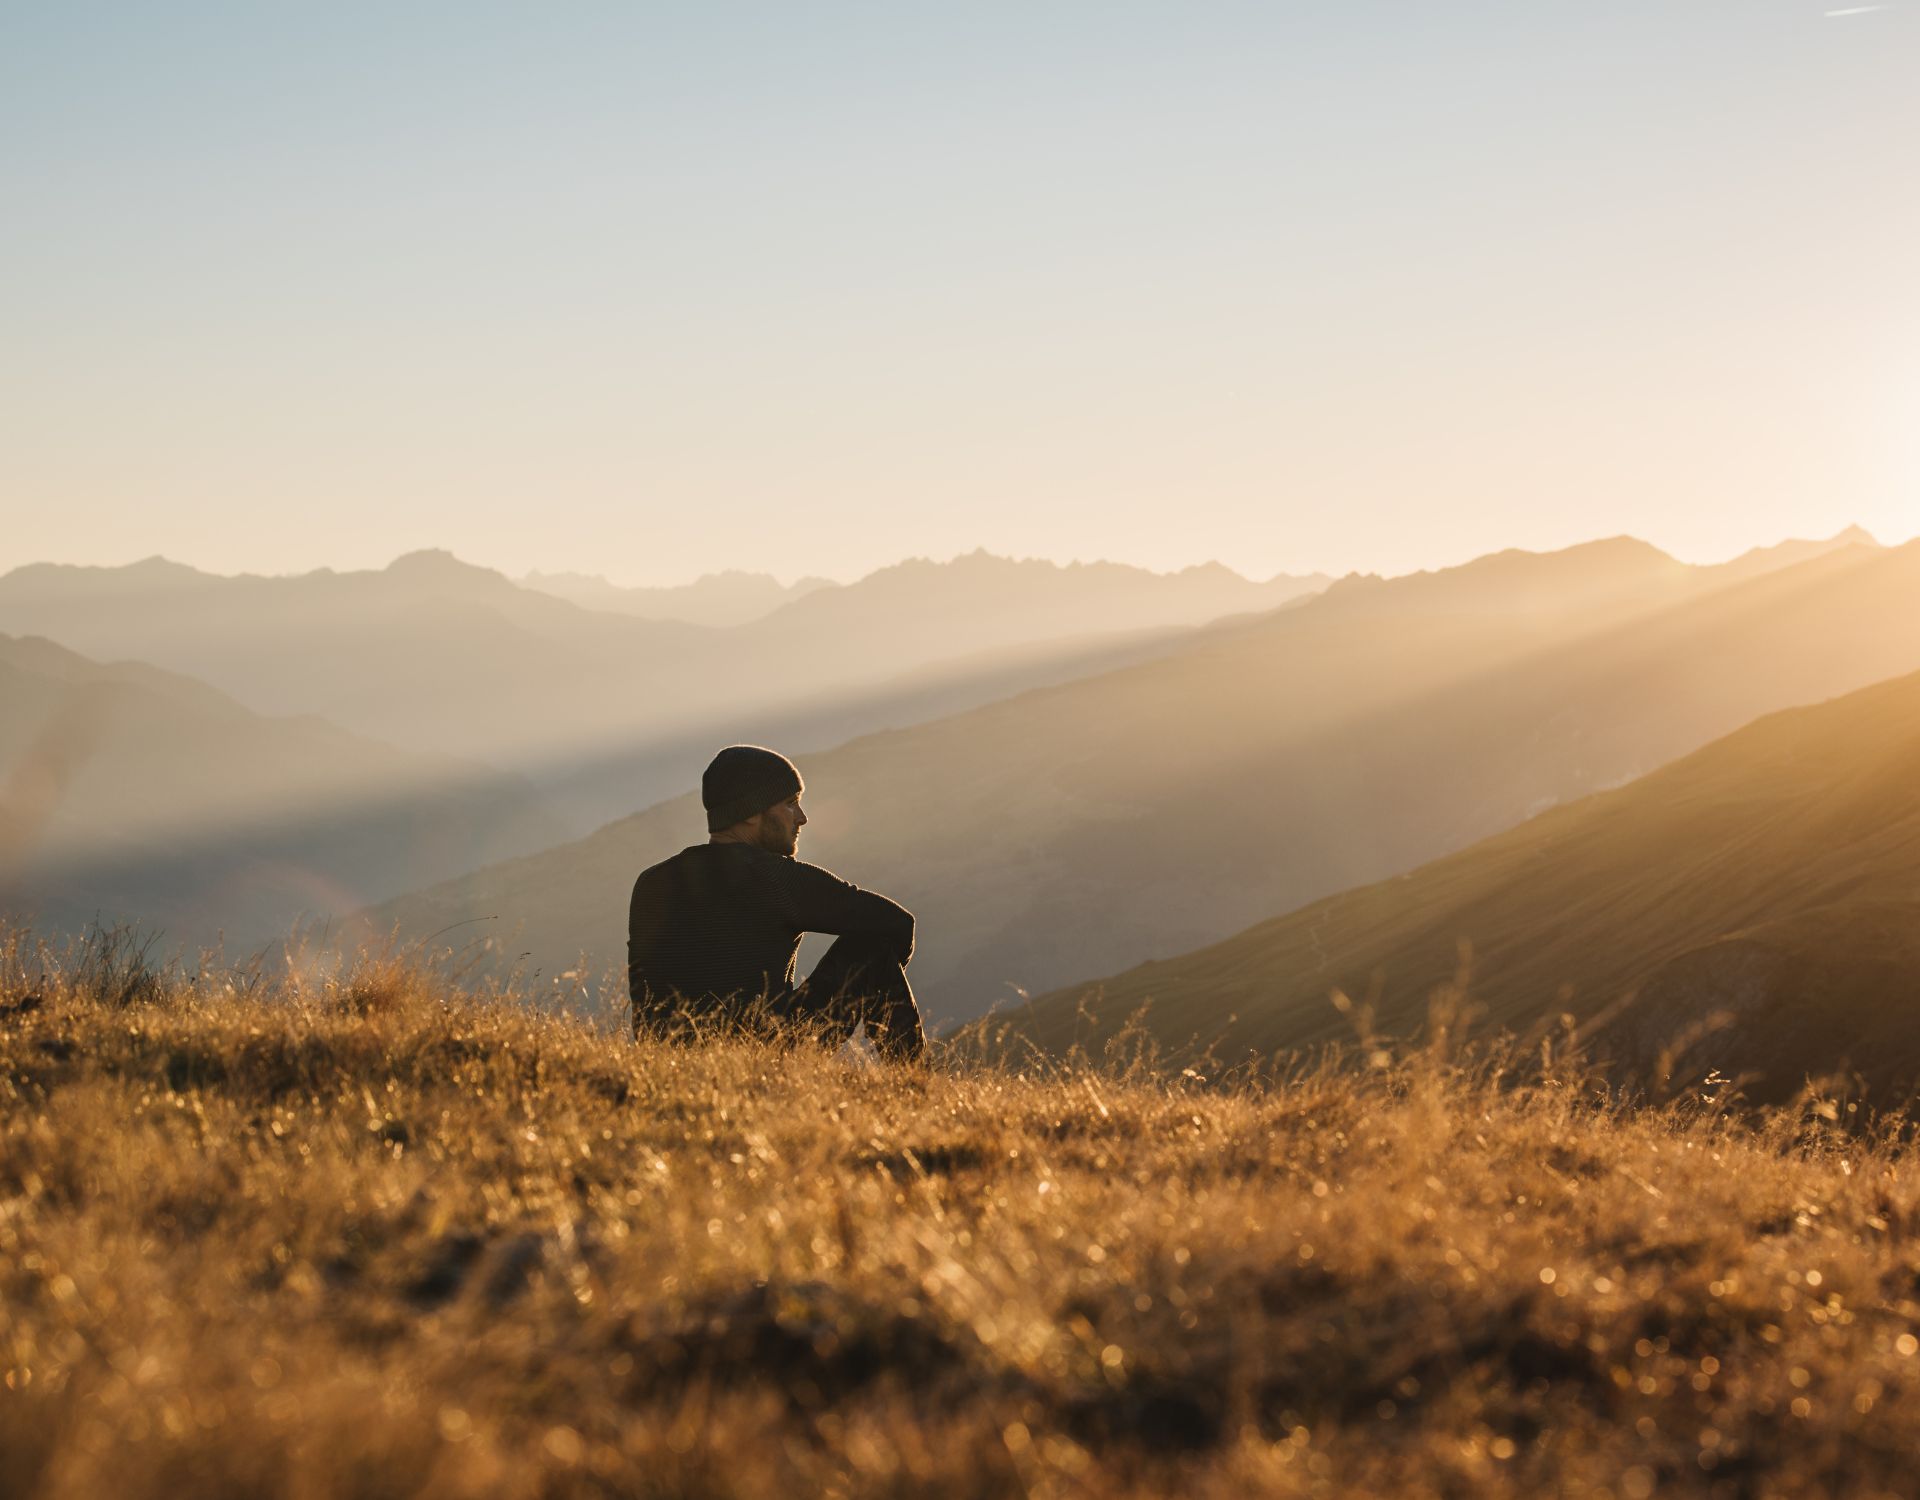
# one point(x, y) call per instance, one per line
point(817, 900)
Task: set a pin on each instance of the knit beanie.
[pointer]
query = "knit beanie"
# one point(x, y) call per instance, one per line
point(743, 780)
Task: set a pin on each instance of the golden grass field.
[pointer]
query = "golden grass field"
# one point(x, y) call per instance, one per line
point(376, 1236)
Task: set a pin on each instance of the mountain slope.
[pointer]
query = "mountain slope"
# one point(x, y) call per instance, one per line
point(427, 652)
point(1261, 765)
point(601, 709)
point(1762, 895)
point(128, 793)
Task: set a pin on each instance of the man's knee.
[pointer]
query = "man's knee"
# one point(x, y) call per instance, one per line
point(873, 990)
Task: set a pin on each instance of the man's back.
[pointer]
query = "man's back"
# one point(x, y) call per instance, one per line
point(723, 921)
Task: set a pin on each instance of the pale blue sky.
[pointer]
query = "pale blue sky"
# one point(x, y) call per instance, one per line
point(650, 290)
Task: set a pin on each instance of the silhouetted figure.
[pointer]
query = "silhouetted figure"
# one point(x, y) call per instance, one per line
point(713, 932)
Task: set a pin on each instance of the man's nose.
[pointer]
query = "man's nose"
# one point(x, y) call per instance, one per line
point(803, 818)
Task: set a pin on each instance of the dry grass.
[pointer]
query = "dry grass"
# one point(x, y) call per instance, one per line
point(374, 1236)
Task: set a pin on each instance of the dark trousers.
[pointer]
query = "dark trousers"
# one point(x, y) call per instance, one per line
point(856, 982)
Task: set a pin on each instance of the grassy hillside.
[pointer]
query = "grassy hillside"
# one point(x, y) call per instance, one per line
point(376, 1237)
point(127, 791)
point(1763, 895)
point(1145, 811)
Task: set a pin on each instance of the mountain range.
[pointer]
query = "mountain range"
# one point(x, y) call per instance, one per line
point(1264, 763)
point(606, 711)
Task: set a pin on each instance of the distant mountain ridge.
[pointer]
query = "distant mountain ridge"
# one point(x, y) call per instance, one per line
point(997, 602)
point(1265, 762)
point(133, 794)
point(1187, 596)
point(1759, 900)
point(603, 709)
point(1591, 573)
point(732, 597)
point(1759, 560)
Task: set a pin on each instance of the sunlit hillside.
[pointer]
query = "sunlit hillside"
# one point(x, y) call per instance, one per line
point(131, 793)
point(376, 1236)
point(1759, 900)
point(381, 1237)
point(1144, 811)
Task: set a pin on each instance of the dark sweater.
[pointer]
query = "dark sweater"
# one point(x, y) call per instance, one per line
point(720, 920)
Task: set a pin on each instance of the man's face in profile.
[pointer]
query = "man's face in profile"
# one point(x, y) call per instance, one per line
point(780, 827)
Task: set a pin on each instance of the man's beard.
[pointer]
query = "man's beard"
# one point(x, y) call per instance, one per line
point(777, 840)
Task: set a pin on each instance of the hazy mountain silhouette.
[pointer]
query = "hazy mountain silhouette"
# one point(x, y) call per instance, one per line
point(130, 793)
point(980, 602)
point(732, 597)
point(427, 652)
point(602, 709)
point(1762, 896)
point(1760, 560)
point(1265, 763)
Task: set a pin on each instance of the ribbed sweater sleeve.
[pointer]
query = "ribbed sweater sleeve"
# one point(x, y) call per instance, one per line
point(817, 900)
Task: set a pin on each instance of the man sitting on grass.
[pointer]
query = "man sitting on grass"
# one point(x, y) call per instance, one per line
point(713, 932)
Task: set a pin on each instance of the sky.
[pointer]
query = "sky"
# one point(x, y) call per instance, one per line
point(650, 290)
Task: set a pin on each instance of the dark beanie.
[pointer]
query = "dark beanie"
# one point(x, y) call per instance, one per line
point(743, 780)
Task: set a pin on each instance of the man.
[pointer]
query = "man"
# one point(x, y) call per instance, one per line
point(715, 929)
